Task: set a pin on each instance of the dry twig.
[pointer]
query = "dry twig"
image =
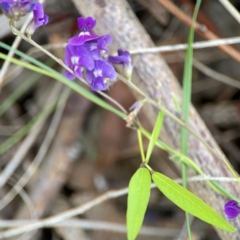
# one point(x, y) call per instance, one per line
point(200, 29)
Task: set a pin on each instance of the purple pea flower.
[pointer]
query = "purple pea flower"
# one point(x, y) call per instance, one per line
point(101, 74)
point(98, 46)
point(124, 58)
point(232, 209)
point(15, 9)
point(77, 57)
point(40, 19)
point(85, 26)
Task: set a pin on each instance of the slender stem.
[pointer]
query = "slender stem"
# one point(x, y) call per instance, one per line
point(149, 168)
point(141, 145)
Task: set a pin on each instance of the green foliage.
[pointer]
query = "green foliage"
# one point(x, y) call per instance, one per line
point(138, 197)
point(187, 90)
point(189, 202)
point(155, 134)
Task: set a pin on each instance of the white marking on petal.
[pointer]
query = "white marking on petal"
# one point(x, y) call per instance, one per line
point(84, 34)
point(97, 73)
point(74, 60)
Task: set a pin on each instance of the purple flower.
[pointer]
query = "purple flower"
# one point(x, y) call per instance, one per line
point(101, 74)
point(85, 26)
point(15, 9)
point(40, 19)
point(124, 58)
point(98, 46)
point(77, 57)
point(232, 209)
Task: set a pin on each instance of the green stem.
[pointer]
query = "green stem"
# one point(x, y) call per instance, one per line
point(187, 86)
point(141, 145)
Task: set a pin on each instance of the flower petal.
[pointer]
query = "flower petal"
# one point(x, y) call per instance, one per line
point(68, 54)
point(89, 76)
point(93, 49)
point(231, 212)
point(90, 23)
point(78, 71)
point(5, 7)
point(16, 9)
point(81, 22)
point(86, 25)
point(68, 75)
point(231, 203)
point(104, 41)
point(82, 38)
point(39, 17)
point(99, 84)
point(107, 69)
point(78, 55)
point(122, 58)
point(232, 209)
point(85, 58)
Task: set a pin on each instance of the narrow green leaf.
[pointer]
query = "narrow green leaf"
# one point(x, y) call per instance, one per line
point(138, 197)
point(155, 134)
point(189, 202)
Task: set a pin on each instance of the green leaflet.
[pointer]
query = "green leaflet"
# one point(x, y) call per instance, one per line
point(189, 202)
point(155, 134)
point(138, 197)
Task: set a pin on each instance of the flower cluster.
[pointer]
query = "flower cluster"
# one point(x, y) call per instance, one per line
point(15, 9)
point(232, 209)
point(85, 54)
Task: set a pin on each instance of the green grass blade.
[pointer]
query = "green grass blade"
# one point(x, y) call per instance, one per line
point(155, 134)
point(187, 82)
point(138, 197)
point(189, 202)
point(187, 85)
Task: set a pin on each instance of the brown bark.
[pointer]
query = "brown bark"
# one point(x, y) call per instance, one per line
point(152, 75)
